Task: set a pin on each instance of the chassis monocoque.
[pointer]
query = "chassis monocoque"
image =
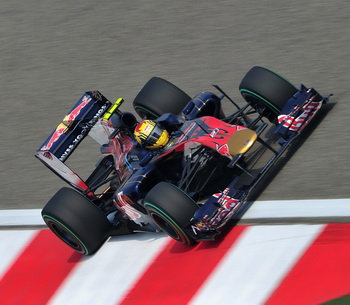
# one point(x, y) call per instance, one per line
point(194, 185)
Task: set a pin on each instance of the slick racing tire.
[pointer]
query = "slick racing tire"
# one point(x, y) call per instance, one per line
point(171, 210)
point(76, 221)
point(159, 96)
point(266, 90)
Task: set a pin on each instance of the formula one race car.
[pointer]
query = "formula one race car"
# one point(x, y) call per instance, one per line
point(186, 168)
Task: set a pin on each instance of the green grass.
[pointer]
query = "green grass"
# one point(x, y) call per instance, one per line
point(340, 301)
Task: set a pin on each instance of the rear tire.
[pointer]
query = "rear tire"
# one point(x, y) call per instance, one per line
point(159, 96)
point(76, 221)
point(171, 210)
point(264, 88)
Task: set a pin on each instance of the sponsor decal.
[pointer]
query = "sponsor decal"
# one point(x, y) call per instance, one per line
point(228, 205)
point(55, 136)
point(201, 227)
point(296, 123)
point(71, 146)
point(145, 126)
point(247, 142)
point(85, 129)
point(69, 118)
point(225, 207)
point(66, 123)
point(214, 133)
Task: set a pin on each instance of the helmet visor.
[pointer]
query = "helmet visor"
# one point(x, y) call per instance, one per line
point(154, 137)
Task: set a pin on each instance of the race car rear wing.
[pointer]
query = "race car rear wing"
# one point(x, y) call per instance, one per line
point(69, 133)
point(76, 125)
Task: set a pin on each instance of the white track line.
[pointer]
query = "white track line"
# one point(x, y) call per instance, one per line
point(259, 209)
point(299, 208)
point(28, 217)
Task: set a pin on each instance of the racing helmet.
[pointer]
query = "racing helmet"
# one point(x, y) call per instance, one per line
point(150, 135)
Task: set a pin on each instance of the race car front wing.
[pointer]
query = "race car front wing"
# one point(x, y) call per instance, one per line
point(220, 207)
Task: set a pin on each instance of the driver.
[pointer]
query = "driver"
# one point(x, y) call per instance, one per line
point(150, 135)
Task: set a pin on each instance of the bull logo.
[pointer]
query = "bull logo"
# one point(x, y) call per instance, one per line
point(66, 123)
point(223, 150)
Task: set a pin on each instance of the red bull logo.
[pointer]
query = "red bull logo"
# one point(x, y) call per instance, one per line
point(70, 117)
point(223, 150)
point(66, 123)
point(55, 136)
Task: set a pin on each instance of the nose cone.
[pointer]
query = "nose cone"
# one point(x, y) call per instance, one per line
point(241, 141)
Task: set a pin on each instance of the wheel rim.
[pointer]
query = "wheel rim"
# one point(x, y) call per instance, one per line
point(65, 234)
point(145, 113)
point(258, 97)
point(165, 226)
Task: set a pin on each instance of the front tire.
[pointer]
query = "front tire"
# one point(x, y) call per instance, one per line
point(171, 210)
point(76, 221)
point(265, 88)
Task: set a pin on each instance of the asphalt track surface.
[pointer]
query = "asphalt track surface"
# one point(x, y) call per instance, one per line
point(53, 51)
